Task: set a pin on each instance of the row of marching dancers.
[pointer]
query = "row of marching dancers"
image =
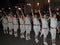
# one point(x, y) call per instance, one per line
point(11, 21)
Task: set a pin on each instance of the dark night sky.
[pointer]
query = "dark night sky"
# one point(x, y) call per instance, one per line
point(5, 3)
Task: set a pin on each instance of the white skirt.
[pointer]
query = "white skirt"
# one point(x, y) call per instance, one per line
point(5, 26)
point(15, 27)
point(22, 28)
point(10, 26)
point(45, 32)
point(28, 28)
point(36, 29)
point(53, 33)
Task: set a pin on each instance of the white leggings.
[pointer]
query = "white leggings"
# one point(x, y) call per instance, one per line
point(45, 32)
point(53, 33)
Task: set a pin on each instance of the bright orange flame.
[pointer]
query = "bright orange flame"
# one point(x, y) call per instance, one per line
point(29, 4)
point(48, 1)
point(57, 9)
point(16, 7)
point(9, 8)
point(2, 8)
point(38, 4)
point(19, 8)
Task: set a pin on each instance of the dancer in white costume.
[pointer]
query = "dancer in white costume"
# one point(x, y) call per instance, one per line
point(45, 27)
point(10, 23)
point(36, 26)
point(27, 24)
point(5, 24)
point(27, 27)
point(53, 25)
point(22, 26)
point(58, 18)
point(15, 25)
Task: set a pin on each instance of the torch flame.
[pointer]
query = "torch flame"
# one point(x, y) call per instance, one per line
point(38, 3)
point(19, 8)
point(29, 4)
point(48, 1)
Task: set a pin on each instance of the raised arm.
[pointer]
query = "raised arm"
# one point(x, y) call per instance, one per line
point(1, 19)
point(50, 11)
point(22, 13)
point(40, 14)
point(32, 13)
point(5, 13)
point(17, 13)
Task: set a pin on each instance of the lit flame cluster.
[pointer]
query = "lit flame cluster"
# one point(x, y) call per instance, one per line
point(38, 3)
point(29, 4)
point(48, 1)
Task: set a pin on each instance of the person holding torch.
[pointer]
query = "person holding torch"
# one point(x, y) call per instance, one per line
point(22, 25)
point(45, 27)
point(36, 25)
point(27, 23)
point(53, 25)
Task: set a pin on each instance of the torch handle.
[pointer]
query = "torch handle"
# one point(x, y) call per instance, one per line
point(50, 11)
point(32, 12)
point(22, 13)
point(17, 13)
point(5, 13)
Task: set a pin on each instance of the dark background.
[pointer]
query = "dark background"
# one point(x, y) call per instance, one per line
point(11, 40)
point(6, 3)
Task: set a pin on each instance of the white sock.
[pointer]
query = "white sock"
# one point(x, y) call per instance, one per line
point(10, 33)
point(23, 36)
point(29, 37)
point(15, 35)
point(45, 43)
point(36, 40)
point(41, 34)
point(53, 44)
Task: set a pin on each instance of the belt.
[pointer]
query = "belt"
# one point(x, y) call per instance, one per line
point(15, 24)
point(22, 24)
point(5, 23)
point(44, 28)
point(36, 24)
point(9, 22)
point(27, 24)
point(53, 28)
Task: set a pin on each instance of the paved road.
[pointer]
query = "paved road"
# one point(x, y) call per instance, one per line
point(11, 40)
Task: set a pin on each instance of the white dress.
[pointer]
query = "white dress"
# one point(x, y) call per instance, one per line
point(22, 25)
point(15, 22)
point(27, 25)
point(44, 27)
point(5, 23)
point(36, 26)
point(10, 22)
point(53, 25)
